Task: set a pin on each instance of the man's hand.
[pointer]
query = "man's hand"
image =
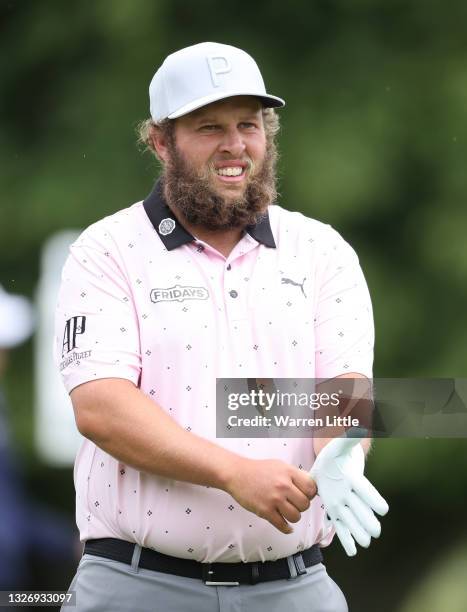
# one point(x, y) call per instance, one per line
point(272, 489)
point(348, 497)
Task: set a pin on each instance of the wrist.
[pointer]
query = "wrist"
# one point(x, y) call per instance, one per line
point(228, 471)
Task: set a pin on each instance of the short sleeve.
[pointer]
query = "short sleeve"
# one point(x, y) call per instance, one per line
point(344, 328)
point(96, 325)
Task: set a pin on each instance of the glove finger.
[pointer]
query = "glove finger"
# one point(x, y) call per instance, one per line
point(368, 494)
point(357, 531)
point(345, 538)
point(365, 515)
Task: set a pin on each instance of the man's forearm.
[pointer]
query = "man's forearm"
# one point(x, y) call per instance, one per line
point(125, 423)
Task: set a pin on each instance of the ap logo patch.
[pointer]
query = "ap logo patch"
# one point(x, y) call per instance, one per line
point(74, 327)
point(166, 227)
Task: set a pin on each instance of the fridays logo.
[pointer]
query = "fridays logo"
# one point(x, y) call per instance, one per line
point(179, 293)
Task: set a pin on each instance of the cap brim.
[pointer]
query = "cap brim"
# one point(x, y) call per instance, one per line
point(267, 100)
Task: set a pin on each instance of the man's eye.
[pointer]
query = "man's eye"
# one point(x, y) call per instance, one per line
point(208, 127)
point(248, 125)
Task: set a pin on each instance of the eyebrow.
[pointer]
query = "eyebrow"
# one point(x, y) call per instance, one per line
point(212, 119)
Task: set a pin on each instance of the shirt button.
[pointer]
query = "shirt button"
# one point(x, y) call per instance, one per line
point(233, 293)
point(229, 267)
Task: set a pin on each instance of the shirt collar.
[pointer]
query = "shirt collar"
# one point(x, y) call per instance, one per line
point(173, 234)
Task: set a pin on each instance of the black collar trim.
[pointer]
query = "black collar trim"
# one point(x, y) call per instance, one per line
point(173, 234)
point(169, 230)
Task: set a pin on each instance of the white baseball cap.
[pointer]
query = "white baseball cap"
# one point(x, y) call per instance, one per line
point(198, 75)
point(16, 319)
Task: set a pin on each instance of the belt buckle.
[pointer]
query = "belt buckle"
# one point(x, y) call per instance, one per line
point(208, 573)
point(299, 564)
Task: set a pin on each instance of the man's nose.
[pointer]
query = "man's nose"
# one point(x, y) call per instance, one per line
point(232, 142)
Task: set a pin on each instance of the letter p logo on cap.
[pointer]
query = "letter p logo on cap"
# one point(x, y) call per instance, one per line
point(218, 64)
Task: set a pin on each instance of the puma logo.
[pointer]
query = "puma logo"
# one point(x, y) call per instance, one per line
point(289, 281)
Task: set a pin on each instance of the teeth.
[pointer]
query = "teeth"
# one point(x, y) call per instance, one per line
point(230, 171)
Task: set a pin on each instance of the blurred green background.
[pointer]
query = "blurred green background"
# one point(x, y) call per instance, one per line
point(373, 141)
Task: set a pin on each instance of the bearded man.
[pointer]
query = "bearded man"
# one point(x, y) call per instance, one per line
point(208, 278)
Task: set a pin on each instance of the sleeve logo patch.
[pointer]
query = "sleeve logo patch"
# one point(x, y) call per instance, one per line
point(178, 293)
point(74, 327)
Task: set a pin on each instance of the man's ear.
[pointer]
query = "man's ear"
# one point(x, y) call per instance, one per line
point(159, 143)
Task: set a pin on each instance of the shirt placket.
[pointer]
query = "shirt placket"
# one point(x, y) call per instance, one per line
point(237, 311)
point(235, 287)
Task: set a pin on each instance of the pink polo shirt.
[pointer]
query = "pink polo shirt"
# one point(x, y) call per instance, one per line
point(141, 299)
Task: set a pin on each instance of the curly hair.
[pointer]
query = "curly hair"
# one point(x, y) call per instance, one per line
point(166, 128)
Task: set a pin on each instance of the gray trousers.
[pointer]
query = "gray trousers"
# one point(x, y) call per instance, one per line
point(103, 585)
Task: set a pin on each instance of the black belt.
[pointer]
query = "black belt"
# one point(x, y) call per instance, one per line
point(216, 574)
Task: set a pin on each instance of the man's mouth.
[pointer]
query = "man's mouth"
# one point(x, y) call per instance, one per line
point(231, 172)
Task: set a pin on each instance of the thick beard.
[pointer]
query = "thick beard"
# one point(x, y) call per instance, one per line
point(193, 196)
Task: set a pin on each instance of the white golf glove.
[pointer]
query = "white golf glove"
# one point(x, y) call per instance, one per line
point(348, 496)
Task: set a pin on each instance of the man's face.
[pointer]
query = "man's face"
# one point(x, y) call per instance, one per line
point(219, 167)
point(224, 142)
